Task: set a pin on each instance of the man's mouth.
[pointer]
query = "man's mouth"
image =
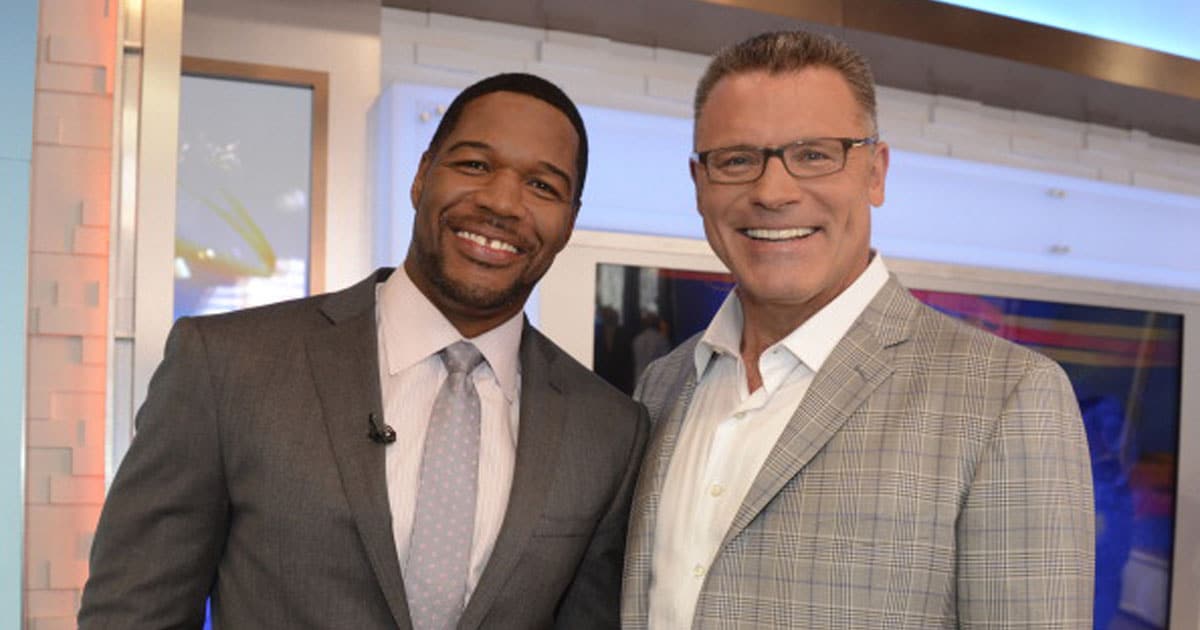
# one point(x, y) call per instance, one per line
point(786, 234)
point(490, 243)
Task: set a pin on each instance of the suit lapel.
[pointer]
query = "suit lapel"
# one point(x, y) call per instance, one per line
point(663, 445)
point(543, 413)
point(855, 368)
point(648, 492)
point(344, 360)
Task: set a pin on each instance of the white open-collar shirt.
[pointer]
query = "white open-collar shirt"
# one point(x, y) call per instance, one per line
point(411, 333)
point(728, 433)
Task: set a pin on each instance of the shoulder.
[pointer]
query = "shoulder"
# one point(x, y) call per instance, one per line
point(669, 366)
point(273, 333)
point(947, 365)
point(945, 339)
point(665, 377)
point(917, 333)
point(257, 342)
point(599, 422)
point(579, 383)
point(288, 319)
point(973, 370)
point(261, 319)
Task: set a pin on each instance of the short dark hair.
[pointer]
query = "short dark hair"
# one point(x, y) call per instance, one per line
point(518, 83)
point(790, 51)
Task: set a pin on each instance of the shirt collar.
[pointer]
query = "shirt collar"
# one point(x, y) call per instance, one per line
point(413, 329)
point(813, 341)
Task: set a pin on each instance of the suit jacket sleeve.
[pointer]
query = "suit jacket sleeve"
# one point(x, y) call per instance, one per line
point(594, 598)
point(164, 521)
point(1026, 532)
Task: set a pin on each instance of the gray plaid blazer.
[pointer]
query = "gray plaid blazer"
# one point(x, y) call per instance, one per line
point(934, 476)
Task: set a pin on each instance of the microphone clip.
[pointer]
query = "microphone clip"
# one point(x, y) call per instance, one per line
point(380, 433)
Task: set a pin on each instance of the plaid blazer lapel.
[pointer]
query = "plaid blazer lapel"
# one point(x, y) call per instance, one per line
point(855, 368)
point(673, 395)
point(661, 449)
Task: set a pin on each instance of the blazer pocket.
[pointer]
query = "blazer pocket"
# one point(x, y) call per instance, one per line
point(564, 527)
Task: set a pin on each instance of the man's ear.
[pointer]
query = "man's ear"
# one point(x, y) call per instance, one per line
point(570, 226)
point(879, 167)
point(418, 183)
point(692, 166)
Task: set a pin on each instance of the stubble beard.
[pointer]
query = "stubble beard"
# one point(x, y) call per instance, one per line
point(433, 267)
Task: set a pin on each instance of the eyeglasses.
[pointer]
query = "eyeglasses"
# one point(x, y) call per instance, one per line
point(808, 157)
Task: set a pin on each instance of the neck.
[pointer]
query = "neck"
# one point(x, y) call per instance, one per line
point(763, 325)
point(470, 320)
point(470, 327)
point(765, 321)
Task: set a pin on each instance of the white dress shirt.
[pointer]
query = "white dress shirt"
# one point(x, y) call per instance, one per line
point(728, 433)
point(411, 333)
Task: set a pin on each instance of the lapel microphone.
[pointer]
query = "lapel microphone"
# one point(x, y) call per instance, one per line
point(380, 434)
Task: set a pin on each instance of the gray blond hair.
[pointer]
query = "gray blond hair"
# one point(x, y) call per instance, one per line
point(790, 51)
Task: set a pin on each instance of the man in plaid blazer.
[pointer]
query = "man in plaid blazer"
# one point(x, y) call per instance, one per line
point(830, 453)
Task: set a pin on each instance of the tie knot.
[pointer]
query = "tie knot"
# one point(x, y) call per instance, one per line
point(461, 357)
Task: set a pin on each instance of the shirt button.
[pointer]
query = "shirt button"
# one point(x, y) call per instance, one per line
point(716, 490)
point(739, 415)
point(698, 570)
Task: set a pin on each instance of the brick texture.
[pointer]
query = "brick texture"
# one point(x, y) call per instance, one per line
point(453, 51)
point(68, 279)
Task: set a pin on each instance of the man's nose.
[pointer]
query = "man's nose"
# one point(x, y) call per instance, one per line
point(502, 193)
point(776, 188)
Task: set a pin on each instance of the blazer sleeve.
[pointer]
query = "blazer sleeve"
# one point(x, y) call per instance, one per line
point(164, 522)
point(1026, 534)
point(594, 598)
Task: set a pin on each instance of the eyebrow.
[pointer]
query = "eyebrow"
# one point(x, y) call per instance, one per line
point(475, 144)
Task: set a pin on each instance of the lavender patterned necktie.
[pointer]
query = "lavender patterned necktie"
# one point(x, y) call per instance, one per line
point(444, 522)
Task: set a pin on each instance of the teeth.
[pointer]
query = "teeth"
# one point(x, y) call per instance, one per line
point(490, 243)
point(778, 235)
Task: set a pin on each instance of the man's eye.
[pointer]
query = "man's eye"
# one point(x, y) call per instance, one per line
point(471, 166)
point(811, 155)
point(545, 188)
point(736, 160)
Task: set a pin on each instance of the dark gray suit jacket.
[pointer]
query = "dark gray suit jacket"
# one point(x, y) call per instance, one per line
point(252, 479)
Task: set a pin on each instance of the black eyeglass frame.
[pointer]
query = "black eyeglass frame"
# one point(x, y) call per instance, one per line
point(701, 157)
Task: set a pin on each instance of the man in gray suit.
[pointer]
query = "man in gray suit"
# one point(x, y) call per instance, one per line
point(830, 453)
point(285, 463)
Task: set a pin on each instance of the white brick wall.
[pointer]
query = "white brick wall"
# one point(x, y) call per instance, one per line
point(454, 51)
point(68, 304)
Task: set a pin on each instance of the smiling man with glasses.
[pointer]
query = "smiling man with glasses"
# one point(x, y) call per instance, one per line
point(830, 453)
